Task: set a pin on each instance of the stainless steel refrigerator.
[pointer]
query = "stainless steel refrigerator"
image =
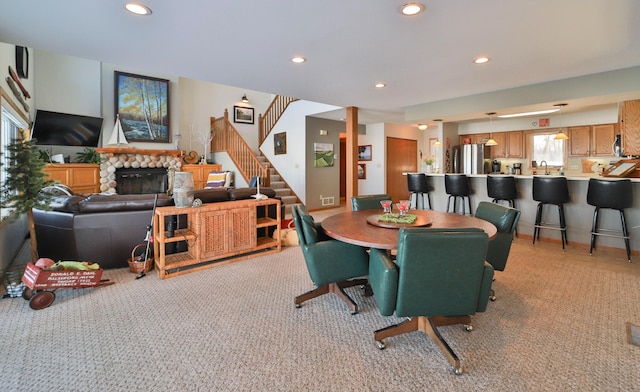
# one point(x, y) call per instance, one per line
point(471, 159)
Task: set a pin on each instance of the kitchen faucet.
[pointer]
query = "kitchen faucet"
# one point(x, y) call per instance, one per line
point(546, 167)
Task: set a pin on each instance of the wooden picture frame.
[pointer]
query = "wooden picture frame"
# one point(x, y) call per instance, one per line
point(142, 102)
point(362, 171)
point(242, 115)
point(280, 143)
point(364, 153)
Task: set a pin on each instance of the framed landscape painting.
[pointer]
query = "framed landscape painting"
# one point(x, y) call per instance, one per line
point(242, 115)
point(323, 154)
point(142, 102)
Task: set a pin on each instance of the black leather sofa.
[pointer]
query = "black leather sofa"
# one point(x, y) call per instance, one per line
point(105, 228)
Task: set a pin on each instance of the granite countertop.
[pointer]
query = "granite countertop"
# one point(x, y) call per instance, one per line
point(569, 176)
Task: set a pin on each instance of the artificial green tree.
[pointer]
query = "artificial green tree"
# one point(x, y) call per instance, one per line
point(22, 188)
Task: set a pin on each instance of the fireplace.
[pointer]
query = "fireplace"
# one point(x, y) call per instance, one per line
point(141, 181)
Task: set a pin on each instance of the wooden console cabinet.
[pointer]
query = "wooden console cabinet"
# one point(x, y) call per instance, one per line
point(201, 173)
point(80, 177)
point(217, 233)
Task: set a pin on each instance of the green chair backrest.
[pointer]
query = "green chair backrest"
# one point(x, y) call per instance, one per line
point(505, 219)
point(440, 271)
point(368, 202)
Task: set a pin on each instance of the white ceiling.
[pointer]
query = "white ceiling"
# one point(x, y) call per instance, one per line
point(350, 45)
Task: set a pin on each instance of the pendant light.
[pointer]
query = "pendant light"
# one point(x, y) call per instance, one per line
point(560, 135)
point(491, 142)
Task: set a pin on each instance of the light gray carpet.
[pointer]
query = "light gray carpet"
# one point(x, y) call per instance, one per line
point(559, 324)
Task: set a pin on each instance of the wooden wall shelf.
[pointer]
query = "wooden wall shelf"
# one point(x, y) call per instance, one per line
point(129, 150)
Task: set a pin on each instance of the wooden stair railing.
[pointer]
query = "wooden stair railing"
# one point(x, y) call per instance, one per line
point(268, 120)
point(227, 139)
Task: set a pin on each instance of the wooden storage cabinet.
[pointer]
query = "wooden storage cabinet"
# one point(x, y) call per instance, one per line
point(476, 138)
point(596, 140)
point(80, 177)
point(216, 233)
point(629, 120)
point(201, 172)
point(510, 145)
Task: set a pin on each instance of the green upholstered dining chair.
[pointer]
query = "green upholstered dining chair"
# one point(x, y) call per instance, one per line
point(505, 219)
point(368, 202)
point(440, 277)
point(333, 265)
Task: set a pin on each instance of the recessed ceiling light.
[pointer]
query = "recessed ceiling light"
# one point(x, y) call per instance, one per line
point(411, 9)
point(138, 9)
point(528, 113)
point(481, 60)
point(379, 85)
point(298, 59)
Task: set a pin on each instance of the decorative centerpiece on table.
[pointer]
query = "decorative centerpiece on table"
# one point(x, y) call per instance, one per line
point(397, 218)
point(402, 217)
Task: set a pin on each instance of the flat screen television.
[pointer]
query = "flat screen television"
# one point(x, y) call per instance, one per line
point(62, 129)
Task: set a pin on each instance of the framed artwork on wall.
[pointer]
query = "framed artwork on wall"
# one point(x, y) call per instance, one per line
point(364, 153)
point(280, 143)
point(142, 102)
point(362, 171)
point(323, 154)
point(242, 115)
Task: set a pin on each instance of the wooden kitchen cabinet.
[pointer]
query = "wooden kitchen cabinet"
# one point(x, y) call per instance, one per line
point(596, 140)
point(579, 141)
point(629, 122)
point(603, 137)
point(80, 177)
point(476, 138)
point(510, 145)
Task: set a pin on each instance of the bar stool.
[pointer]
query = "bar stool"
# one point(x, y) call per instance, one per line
point(614, 195)
point(419, 188)
point(550, 190)
point(502, 188)
point(457, 186)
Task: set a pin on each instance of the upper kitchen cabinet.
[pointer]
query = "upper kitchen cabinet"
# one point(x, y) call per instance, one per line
point(510, 145)
point(475, 138)
point(596, 140)
point(629, 120)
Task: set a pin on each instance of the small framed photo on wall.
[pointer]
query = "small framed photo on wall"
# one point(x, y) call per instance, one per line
point(362, 171)
point(364, 153)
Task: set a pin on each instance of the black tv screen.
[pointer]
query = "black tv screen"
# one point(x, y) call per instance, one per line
point(62, 129)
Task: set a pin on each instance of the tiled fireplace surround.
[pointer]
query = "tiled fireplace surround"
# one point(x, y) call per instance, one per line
point(115, 159)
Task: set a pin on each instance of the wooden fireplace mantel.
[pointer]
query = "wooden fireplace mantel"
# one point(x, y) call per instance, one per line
point(128, 150)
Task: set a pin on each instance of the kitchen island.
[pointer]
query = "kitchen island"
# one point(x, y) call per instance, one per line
point(579, 214)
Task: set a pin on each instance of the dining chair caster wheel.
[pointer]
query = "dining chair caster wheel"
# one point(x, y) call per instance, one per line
point(493, 297)
point(354, 312)
point(298, 306)
point(468, 327)
point(380, 344)
point(457, 371)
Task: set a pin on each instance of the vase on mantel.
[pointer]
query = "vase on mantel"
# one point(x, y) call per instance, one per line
point(428, 169)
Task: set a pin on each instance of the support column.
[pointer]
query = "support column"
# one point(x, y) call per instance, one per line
point(352, 155)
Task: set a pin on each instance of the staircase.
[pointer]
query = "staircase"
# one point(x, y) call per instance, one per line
point(283, 191)
point(249, 163)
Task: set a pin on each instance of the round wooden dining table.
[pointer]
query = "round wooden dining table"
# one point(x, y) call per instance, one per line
point(354, 227)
